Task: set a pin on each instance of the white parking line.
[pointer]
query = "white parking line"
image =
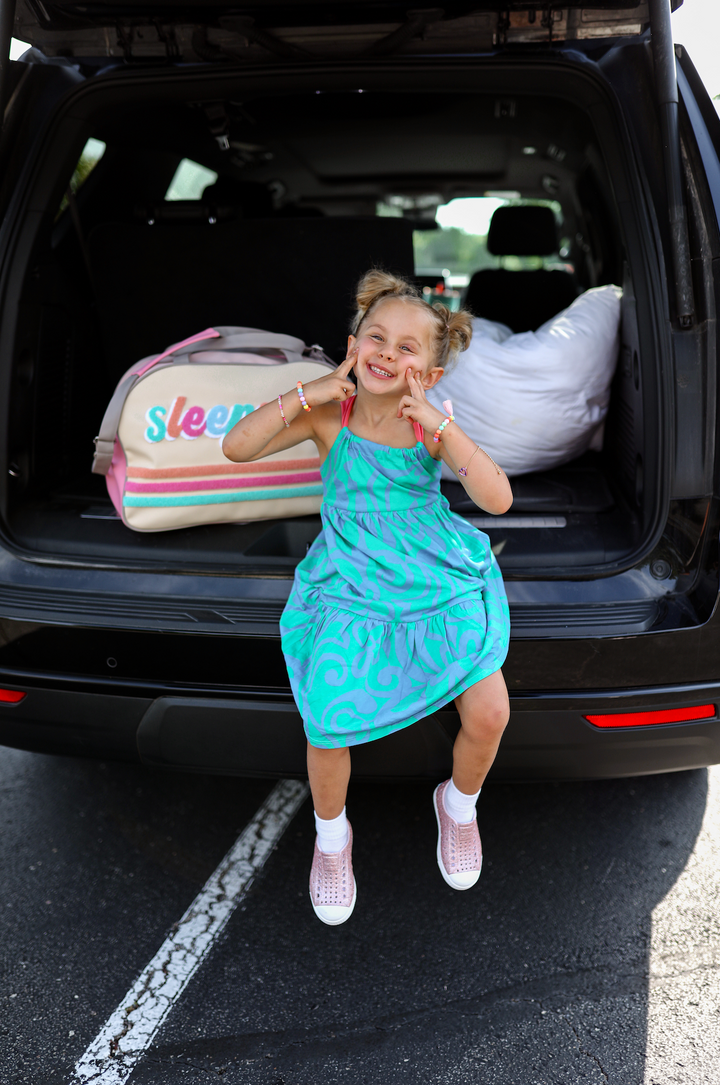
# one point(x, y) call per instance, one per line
point(128, 1032)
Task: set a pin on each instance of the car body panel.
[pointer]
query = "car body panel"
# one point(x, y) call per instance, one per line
point(548, 737)
point(179, 663)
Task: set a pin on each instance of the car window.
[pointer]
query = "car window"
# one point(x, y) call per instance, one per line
point(453, 244)
point(92, 152)
point(190, 181)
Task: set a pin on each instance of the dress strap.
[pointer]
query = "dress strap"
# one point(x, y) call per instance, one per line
point(346, 406)
point(419, 432)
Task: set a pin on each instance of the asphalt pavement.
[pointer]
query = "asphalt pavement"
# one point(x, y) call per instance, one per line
point(587, 953)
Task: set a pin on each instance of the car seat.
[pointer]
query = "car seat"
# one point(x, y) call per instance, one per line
point(523, 300)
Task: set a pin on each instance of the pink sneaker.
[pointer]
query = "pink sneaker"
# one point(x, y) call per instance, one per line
point(459, 852)
point(332, 883)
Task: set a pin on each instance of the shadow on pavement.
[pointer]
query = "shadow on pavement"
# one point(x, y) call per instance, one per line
point(538, 976)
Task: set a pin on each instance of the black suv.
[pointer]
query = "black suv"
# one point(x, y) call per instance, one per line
point(167, 167)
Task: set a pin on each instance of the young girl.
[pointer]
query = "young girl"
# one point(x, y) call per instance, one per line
point(399, 606)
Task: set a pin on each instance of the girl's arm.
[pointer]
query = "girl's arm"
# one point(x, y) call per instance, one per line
point(263, 431)
point(485, 482)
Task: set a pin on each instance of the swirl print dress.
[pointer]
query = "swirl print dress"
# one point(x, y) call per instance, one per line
point(399, 604)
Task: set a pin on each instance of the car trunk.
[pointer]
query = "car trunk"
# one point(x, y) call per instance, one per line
point(119, 270)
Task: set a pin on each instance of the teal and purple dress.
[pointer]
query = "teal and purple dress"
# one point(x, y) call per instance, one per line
point(399, 604)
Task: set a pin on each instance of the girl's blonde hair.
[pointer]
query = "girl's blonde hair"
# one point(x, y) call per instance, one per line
point(451, 332)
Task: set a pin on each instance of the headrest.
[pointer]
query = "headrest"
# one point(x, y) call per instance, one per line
point(255, 199)
point(522, 231)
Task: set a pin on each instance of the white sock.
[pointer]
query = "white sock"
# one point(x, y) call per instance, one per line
point(458, 805)
point(333, 834)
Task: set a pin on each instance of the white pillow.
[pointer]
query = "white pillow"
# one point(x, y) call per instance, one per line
point(537, 399)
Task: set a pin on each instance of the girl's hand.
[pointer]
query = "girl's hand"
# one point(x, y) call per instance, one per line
point(417, 408)
point(334, 386)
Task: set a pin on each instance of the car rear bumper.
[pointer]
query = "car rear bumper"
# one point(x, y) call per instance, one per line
point(548, 736)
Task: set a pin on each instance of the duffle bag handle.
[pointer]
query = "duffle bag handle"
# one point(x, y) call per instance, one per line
point(220, 338)
point(229, 338)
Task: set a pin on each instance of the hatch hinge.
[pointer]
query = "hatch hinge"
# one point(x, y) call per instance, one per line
point(548, 21)
point(501, 31)
point(166, 34)
point(125, 37)
point(667, 94)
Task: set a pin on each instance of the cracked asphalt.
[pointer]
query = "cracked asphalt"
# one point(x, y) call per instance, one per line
point(588, 952)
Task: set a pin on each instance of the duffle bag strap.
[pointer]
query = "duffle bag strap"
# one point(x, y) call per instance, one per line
point(105, 440)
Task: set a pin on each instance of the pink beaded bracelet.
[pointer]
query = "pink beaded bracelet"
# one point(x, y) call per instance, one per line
point(282, 412)
point(305, 405)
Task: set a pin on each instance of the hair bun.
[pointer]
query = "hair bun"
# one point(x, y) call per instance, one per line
point(460, 331)
point(377, 284)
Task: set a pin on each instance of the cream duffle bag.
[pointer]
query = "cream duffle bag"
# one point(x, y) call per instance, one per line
point(160, 441)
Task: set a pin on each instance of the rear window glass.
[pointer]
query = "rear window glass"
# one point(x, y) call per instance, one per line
point(92, 152)
point(450, 243)
point(190, 181)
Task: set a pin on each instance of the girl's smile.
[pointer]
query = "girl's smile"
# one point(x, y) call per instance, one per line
point(384, 374)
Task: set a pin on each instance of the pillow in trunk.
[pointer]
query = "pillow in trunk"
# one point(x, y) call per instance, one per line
point(537, 399)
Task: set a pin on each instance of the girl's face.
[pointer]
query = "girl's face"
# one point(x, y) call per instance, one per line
point(396, 338)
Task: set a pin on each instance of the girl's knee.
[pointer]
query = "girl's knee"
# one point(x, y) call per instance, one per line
point(488, 723)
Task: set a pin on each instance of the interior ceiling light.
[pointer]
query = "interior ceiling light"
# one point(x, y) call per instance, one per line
point(529, 150)
point(502, 194)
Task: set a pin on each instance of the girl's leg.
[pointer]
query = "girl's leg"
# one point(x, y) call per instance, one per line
point(332, 882)
point(484, 712)
point(329, 774)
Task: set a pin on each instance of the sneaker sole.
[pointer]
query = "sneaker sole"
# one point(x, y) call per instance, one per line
point(447, 877)
point(336, 922)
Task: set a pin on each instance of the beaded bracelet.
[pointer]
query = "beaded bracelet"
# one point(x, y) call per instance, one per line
point(447, 406)
point(446, 422)
point(282, 412)
point(304, 402)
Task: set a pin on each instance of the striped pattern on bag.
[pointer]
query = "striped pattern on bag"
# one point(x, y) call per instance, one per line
point(219, 484)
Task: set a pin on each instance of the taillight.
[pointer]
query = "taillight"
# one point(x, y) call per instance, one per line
point(649, 719)
point(10, 696)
